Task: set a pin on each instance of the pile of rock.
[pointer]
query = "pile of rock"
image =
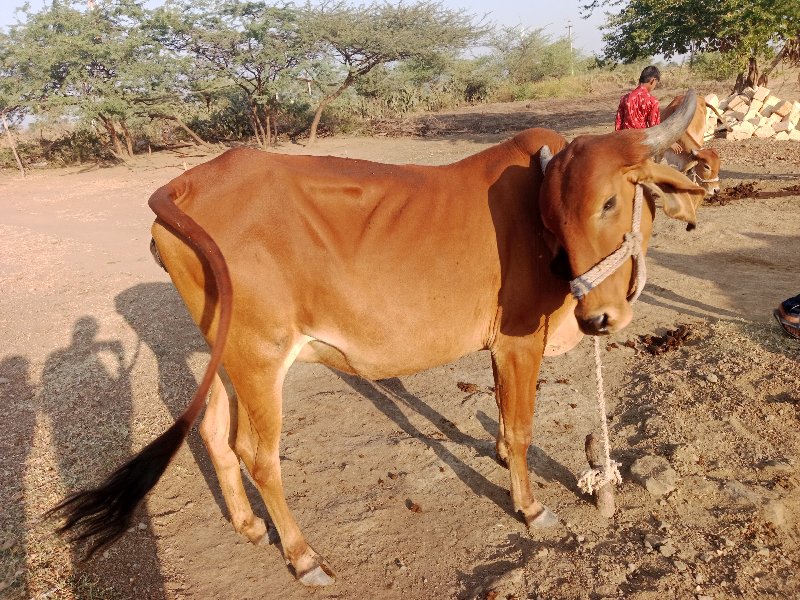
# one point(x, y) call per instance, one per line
point(755, 112)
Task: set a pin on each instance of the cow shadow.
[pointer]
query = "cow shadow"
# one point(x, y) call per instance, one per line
point(753, 280)
point(388, 394)
point(85, 403)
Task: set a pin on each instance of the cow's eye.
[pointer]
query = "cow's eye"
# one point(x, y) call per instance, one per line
point(706, 167)
point(610, 204)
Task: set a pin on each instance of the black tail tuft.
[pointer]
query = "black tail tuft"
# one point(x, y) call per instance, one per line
point(104, 513)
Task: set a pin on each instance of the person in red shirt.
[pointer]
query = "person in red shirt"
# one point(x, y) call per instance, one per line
point(638, 109)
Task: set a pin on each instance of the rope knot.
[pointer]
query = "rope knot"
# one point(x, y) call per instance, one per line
point(591, 480)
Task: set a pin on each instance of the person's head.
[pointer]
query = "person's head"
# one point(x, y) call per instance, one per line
point(650, 76)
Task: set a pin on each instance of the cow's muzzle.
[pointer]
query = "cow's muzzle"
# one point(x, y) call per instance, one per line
point(631, 247)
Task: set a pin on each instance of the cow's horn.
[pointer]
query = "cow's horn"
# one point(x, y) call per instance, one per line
point(660, 137)
point(545, 155)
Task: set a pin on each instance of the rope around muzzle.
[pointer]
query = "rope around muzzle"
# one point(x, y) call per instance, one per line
point(592, 479)
point(631, 247)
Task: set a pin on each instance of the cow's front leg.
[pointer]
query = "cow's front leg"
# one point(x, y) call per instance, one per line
point(515, 364)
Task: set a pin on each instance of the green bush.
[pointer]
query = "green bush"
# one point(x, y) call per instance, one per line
point(715, 66)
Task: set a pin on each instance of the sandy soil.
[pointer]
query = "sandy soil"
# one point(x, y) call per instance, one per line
point(99, 356)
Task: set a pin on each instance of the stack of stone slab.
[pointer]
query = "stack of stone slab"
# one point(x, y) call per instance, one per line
point(755, 112)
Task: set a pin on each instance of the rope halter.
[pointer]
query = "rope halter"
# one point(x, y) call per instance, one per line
point(695, 177)
point(631, 247)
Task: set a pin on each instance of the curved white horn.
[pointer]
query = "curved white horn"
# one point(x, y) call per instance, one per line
point(545, 155)
point(660, 137)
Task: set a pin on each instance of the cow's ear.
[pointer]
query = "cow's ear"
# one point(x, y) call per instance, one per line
point(679, 196)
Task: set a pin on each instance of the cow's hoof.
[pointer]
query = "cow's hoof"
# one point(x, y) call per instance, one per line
point(539, 516)
point(318, 575)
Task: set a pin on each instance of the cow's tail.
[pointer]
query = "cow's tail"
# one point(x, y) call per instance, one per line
point(104, 513)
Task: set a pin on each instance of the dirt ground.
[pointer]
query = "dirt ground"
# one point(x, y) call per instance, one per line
point(99, 356)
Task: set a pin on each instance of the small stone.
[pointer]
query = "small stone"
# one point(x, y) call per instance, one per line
point(680, 565)
point(774, 512)
point(776, 467)
point(707, 556)
point(606, 591)
point(667, 549)
point(142, 525)
point(581, 539)
point(704, 597)
point(655, 474)
point(711, 378)
point(631, 567)
point(653, 542)
point(541, 553)
point(763, 552)
point(699, 578)
point(729, 543)
point(740, 493)
point(106, 554)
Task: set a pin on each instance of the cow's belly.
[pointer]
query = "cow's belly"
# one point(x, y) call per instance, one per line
point(381, 345)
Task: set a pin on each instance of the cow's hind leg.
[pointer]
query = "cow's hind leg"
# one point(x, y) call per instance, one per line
point(259, 384)
point(516, 369)
point(219, 440)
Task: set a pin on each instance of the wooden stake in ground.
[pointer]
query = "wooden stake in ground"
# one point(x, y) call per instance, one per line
point(604, 495)
point(11, 144)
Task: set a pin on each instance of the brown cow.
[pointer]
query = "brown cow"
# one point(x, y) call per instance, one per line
point(382, 270)
point(700, 164)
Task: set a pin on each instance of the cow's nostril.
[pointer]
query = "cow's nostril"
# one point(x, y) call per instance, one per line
point(598, 323)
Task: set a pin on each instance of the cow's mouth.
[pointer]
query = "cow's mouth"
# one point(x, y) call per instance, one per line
point(605, 321)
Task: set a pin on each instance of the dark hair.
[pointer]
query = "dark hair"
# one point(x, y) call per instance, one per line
point(649, 73)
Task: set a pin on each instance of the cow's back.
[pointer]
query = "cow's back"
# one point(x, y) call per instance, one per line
point(692, 138)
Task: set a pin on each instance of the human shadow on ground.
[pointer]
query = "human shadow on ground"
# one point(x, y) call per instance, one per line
point(85, 402)
point(18, 414)
point(156, 312)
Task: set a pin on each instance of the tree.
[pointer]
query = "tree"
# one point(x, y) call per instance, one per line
point(250, 45)
point(531, 55)
point(356, 39)
point(88, 63)
point(11, 95)
point(746, 29)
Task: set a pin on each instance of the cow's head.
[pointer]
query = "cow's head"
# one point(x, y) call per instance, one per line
point(703, 169)
point(586, 204)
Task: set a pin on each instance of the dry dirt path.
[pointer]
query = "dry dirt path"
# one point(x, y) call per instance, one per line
point(99, 356)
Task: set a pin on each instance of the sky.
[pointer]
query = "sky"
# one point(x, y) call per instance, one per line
point(552, 15)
